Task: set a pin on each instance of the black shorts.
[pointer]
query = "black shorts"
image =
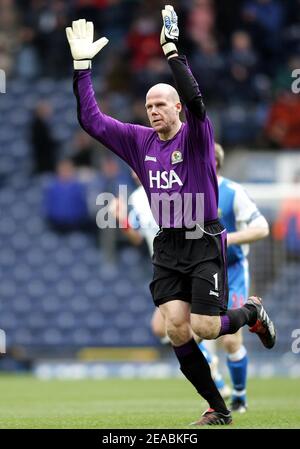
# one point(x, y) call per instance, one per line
point(192, 270)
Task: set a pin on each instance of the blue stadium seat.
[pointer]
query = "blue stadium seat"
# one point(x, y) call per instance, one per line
point(50, 303)
point(22, 336)
point(94, 288)
point(18, 87)
point(80, 336)
point(137, 303)
point(21, 304)
point(36, 288)
point(109, 304)
point(94, 320)
point(19, 117)
point(66, 320)
point(46, 86)
point(7, 258)
point(65, 288)
point(22, 273)
point(79, 304)
point(8, 321)
point(37, 320)
point(111, 336)
point(58, 290)
point(125, 320)
point(8, 288)
point(123, 288)
point(51, 336)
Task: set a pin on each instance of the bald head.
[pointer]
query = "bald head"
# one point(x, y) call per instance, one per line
point(163, 108)
point(165, 91)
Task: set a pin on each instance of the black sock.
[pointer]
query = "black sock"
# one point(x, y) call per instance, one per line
point(194, 366)
point(233, 320)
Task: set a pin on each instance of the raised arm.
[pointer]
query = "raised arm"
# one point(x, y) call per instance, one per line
point(119, 137)
point(187, 86)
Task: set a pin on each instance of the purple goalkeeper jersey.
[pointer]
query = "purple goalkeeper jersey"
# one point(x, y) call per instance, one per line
point(182, 165)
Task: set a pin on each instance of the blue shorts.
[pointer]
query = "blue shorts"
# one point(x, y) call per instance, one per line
point(238, 283)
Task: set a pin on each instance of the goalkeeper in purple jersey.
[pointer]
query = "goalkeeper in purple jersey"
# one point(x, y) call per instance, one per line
point(190, 280)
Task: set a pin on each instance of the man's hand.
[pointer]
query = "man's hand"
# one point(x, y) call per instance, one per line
point(170, 32)
point(83, 49)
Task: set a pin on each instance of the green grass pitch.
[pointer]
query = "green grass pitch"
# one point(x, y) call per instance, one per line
point(124, 404)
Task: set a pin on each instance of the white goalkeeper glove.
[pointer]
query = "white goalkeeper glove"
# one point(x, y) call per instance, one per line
point(83, 49)
point(170, 32)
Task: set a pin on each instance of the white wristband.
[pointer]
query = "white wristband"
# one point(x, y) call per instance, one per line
point(82, 65)
point(169, 47)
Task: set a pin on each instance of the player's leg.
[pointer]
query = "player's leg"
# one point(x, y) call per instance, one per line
point(213, 361)
point(159, 330)
point(237, 362)
point(158, 326)
point(252, 314)
point(171, 291)
point(176, 314)
point(214, 276)
point(192, 362)
point(237, 359)
point(209, 315)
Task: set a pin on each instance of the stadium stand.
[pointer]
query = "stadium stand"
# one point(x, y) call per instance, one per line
point(57, 291)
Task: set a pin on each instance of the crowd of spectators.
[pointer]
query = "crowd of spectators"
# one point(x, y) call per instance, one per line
point(242, 53)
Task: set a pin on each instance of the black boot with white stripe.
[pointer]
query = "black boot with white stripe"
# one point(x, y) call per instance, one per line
point(263, 326)
point(212, 418)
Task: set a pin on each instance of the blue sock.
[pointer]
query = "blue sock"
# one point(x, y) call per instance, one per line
point(218, 379)
point(205, 352)
point(237, 364)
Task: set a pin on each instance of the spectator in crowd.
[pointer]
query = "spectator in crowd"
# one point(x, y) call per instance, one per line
point(9, 28)
point(242, 51)
point(6, 62)
point(143, 41)
point(27, 61)
point(91, 9)
point(65, 200)
point(48, 20)
point(237, 56)
point(239, 85)
point(226, 21)
point(44, 146)
point(208, 64)
point(291, 36)
point(112, 174)
point(154, 71)
point(84, 153)
point(264, 19)
point(201, 22)
point(287, 226)
point(282, 128)
point(283, 79)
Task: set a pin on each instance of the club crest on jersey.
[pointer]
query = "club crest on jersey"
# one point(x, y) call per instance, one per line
point(176, 157)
